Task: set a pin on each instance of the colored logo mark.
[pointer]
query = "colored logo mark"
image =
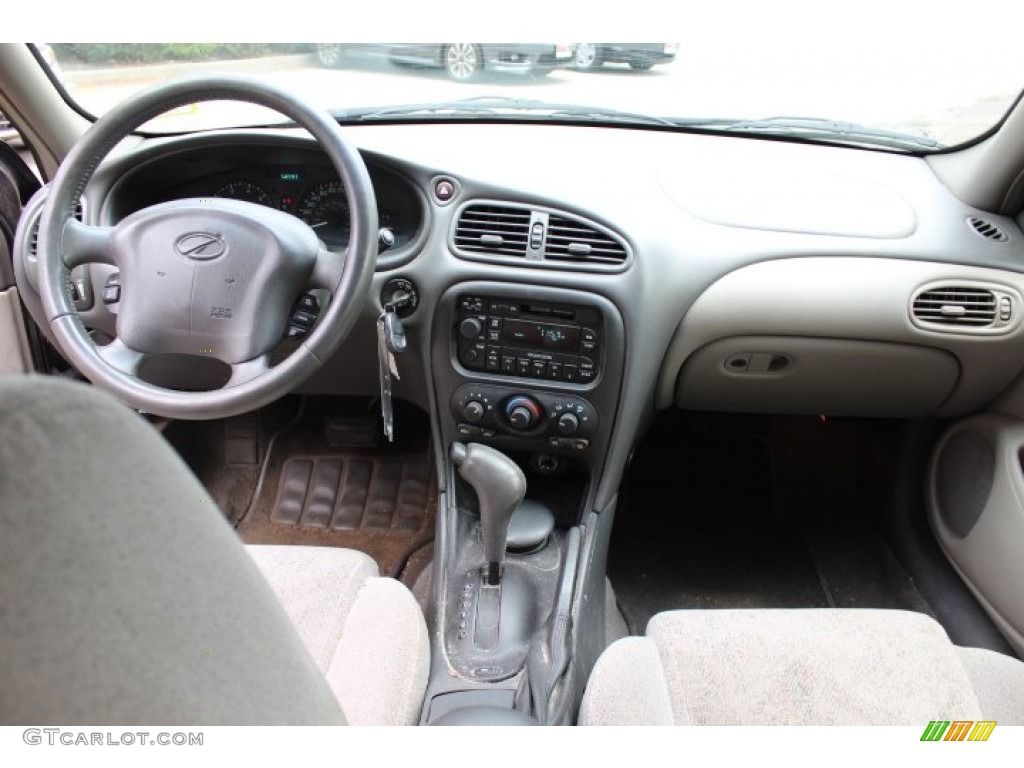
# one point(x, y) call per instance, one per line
point(958, 730)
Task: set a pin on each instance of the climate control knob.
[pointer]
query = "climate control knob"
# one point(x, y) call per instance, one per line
point(568, 424)
point(523, 413)
point(473, 412)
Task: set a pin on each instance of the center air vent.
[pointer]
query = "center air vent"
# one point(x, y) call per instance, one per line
point(540, 237)
point(965, 309)
point(570, 240)
point(493, 229)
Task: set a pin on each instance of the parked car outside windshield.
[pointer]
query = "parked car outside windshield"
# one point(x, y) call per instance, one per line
point(910, 87)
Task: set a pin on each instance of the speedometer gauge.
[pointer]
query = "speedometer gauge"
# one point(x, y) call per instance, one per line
point(325, 209)
point(247, 191)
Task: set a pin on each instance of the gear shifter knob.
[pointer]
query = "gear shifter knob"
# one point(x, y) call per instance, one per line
point(500, 486)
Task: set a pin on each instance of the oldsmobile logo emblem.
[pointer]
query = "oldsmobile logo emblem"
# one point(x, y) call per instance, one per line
point(201, 246)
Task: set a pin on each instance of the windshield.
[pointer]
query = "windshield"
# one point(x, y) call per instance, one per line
point(914, 92)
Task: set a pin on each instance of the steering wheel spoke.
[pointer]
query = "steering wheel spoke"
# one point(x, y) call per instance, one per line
point(121, 357)
point(242, 373)
point(84, 244)
point(328, 269)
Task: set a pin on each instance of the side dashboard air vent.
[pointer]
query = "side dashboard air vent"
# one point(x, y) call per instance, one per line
point(539, 237)
point(493, 229)
point(987, 229)
point(966, 308)
point(33, 242)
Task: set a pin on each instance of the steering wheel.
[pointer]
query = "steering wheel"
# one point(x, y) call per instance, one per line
point(212, 277)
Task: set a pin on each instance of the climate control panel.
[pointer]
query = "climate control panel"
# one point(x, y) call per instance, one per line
point(562, 422)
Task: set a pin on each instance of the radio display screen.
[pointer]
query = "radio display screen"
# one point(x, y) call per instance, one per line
point(546, 335)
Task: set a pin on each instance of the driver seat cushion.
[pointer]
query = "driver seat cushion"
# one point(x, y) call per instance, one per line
point(366, 634)
point(798, 667)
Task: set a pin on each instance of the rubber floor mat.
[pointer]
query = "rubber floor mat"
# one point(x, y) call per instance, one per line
point(317, 490)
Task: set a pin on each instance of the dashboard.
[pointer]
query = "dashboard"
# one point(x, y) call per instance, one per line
point(669, 269)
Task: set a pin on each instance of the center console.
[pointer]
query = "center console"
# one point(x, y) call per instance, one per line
point(534, 373)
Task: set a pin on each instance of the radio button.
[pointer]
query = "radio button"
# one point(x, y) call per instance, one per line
point(508, 364)
point(523, 366)
point(570, 372)
point(554, 371)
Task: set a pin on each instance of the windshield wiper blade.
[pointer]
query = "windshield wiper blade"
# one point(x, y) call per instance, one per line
point(496, 106)
point(817, 128)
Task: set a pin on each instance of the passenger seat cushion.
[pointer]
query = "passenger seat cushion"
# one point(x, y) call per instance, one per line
point(998, 683)
point(803, 667)
point(317, 587)
point(798, 667)
point(627, 687)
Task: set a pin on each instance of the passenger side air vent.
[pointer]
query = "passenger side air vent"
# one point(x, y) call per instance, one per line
point(966, 308)
point(536, 237)
point(493, 229)
point(570, 240)
point(987, 229)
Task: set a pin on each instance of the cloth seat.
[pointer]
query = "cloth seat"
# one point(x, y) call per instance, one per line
point(799, 667)
point(126, 598)
point(366, 634)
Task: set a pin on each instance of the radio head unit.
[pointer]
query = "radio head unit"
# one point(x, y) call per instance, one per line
point(529, 339)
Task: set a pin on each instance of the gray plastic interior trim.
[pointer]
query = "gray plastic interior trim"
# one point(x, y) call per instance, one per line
point(988, 175)
point(15, 355)
point(837, 377)
point(989, 558)
point(844, 298)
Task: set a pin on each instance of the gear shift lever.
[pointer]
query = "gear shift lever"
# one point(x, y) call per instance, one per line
point(500, 486)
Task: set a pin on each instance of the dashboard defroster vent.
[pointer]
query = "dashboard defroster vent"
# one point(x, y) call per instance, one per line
point(987, 229)
point(536, 236)
point(493, 229)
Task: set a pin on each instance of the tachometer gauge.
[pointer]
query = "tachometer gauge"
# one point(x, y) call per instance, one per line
point(325, 209)
point(247, 191)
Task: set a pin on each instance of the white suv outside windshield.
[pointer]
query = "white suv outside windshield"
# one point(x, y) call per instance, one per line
point(945, 85)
